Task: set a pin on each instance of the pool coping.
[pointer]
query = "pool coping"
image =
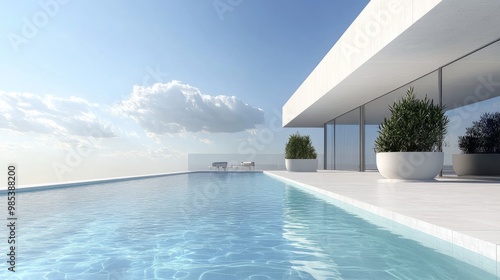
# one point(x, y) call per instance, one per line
point(72, 184)
point(481, 247)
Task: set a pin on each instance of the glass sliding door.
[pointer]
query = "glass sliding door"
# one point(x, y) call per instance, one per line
point(330, 145)
point(347, 152)
point(471, 87)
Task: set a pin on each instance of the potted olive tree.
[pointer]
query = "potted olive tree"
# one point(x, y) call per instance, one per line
point(408, 143)
point(480, 148)
point(300, 155)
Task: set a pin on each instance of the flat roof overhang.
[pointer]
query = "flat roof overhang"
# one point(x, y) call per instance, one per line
point(390, 44)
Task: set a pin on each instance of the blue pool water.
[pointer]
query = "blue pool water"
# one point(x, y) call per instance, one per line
point(210, 226)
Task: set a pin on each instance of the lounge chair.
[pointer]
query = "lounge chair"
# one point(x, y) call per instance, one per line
point(248, 164)
point(219, 164)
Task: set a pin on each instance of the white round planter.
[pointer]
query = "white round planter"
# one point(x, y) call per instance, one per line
point(476, 164)
point(410, 165)
point(301, 165)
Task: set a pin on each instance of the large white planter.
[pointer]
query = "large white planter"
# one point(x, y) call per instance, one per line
point(476, 164)
point(410, 165)
point(301, 165)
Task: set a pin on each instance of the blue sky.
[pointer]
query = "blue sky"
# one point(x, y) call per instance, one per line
point(94, 89)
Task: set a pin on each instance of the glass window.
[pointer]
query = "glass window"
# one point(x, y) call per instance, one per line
point(378, 109)
point(330, 147)
point(471, 87)
point(347, 141)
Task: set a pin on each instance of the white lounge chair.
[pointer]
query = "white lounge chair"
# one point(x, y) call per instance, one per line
point(219, 164)
point(248, 164)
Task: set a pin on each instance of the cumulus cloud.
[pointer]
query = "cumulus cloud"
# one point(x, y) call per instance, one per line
point(163, 110)
point(48, 114)
point(178, 108)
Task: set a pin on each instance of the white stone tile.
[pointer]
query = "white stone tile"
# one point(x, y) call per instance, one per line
point(482, 247)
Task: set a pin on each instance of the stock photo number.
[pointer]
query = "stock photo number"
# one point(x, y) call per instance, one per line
point(11, 218)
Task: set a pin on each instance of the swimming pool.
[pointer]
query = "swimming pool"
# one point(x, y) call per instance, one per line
point(211, 226)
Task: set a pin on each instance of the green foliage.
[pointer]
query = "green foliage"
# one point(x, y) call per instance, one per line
point(415, 125)
point(299, 147)
point(483, 136)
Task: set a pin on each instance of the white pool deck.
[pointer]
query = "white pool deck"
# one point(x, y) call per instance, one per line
point(465, 212)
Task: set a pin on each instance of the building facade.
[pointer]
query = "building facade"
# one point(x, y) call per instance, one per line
point(447, 50)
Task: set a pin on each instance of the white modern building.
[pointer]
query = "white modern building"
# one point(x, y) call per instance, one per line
point(448, 50)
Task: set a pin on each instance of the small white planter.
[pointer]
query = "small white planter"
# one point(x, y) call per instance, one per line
point(410, 165)
point(476, 164)
point(301, 165)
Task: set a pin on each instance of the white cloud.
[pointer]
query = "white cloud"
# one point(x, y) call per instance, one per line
point(150, 153)
point(9, 147)
point(253, 132)
point(26, 112)
point(164, 152)
point(206, 141)
point(167, 113)
point(179, 108)
point(132, 134)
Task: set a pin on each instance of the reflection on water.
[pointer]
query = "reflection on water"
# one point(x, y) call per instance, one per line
point(308, 251)
point(329, 243)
